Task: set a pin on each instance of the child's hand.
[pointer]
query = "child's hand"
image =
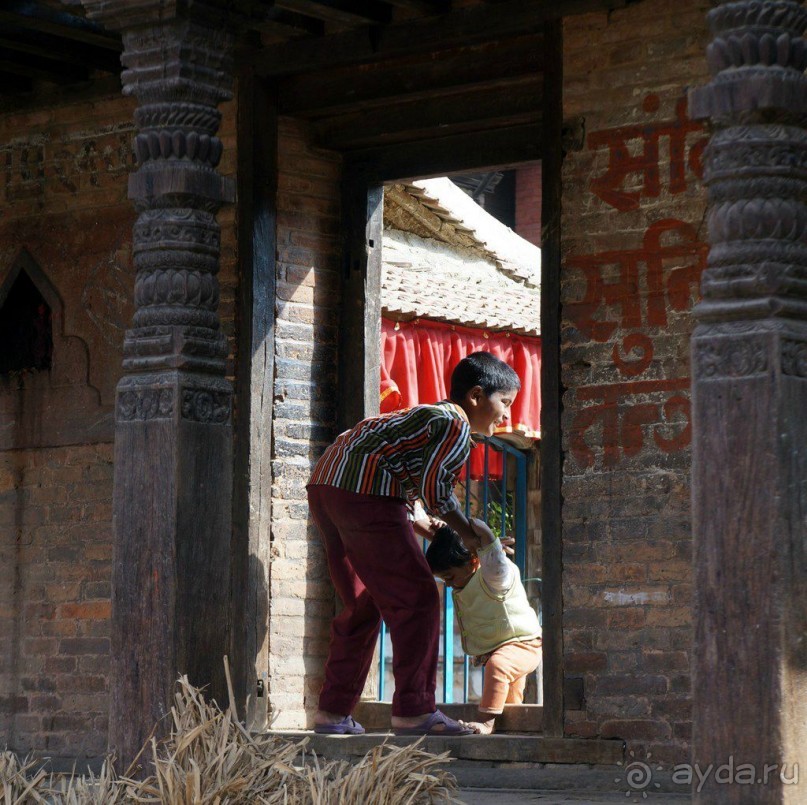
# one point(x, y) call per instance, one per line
point(482, 531)
point(487, 537)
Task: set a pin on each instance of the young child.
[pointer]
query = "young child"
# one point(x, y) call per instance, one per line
point(359, 496)
point(499, 628)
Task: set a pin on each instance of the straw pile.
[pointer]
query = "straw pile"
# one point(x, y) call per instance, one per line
point(210, 759)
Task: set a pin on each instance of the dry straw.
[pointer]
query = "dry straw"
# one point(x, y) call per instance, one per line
point(210, 759)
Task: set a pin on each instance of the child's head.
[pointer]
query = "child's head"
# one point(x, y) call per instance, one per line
point(449, 559)
point(485, 387)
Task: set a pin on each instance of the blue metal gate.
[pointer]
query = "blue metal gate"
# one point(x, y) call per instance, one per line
point(502, 504)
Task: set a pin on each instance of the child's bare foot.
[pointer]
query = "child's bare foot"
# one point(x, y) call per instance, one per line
point(482, 727)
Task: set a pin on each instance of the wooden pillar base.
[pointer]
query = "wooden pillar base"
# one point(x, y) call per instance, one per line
point(172, 547)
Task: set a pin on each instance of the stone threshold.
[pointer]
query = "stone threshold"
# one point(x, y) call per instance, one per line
point(499, 748)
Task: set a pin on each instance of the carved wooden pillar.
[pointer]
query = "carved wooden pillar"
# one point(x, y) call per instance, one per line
point(749, 353)
point(173, 436)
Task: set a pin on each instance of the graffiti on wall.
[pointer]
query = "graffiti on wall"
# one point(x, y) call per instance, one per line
point(628, 295)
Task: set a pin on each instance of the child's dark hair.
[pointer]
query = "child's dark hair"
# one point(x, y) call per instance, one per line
point(485, 370)
point(446, 551)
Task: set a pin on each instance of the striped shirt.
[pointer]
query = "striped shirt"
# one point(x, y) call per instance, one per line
point(417, 453)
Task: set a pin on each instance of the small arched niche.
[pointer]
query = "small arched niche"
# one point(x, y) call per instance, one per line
point(45, 395)
point(26, 326)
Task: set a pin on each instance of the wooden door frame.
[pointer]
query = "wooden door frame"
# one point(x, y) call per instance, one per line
point(254, 383)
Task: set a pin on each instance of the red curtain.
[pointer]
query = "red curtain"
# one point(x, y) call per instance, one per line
point(418, 357)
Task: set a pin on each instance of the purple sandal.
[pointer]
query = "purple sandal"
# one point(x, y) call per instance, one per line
point(347, 726)
point(428, 727)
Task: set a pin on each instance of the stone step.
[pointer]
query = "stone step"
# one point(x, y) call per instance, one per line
point(518, 718)
point(485, 749)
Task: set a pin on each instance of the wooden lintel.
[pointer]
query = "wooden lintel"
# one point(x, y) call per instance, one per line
point(350, 89)
point(46, 19)
point(497, 107)
point(481, 150)
point(455, 29)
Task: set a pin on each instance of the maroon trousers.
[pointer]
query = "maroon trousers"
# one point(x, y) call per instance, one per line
point(379, 571)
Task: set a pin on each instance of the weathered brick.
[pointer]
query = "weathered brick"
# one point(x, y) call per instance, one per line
point(636, 729)
point(631, 684)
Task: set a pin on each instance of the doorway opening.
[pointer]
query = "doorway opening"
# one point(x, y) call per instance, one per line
point(456, 276)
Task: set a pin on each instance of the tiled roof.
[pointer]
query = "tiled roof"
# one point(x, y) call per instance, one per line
point(423, 278)
point(456, 263)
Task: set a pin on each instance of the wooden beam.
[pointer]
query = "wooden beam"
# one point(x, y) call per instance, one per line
point(551, 386)
point(23, 40)
point(56, 95)
point(10, 82)
point(283, 23)
point(257, 217)
point(459, 28)
point(345, 12)
point(423, 6)
point(447, 114)
point(349, 89)
point(40, 17)
point(39, 68)
point(482, 150)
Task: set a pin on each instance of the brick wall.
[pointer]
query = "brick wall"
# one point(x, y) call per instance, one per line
point(55, 565)
point(63, 180)
point(633, 250)
point(301, 600)
point(63, 198)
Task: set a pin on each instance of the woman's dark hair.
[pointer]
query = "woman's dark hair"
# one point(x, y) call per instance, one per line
point(485, 370)
point(446, 551)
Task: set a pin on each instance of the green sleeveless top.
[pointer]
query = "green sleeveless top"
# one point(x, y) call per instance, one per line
point(489, 620)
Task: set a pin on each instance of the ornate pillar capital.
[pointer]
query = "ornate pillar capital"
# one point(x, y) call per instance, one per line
point(756, 163)
point(177, 61)
point(757, 58)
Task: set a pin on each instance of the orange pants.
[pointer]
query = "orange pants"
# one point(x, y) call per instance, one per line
point(506, 674)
